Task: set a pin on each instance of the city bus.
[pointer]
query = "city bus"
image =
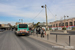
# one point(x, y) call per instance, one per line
point(22, 29)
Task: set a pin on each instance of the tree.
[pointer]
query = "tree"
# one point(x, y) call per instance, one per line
point(36, 24)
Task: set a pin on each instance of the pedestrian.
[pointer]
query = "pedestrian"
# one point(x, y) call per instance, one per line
point(36, 30)
point(39, 30)
point(32, 31)
point(42, 32)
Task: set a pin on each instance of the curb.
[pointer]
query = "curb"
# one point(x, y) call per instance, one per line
point(45, 40)
point(49, 42)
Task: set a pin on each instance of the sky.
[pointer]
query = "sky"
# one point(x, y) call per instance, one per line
point(31, 11)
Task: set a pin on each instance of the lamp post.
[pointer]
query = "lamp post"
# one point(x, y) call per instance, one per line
point(64, 20)
point(65, 24)
point(47, 31)
point(46, 16)
point(21, 20)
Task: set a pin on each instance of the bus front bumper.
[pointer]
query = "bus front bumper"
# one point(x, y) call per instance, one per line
point(24, 33)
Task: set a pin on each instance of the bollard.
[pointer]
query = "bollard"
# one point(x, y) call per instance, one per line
point(47, 37)
point(69, 40)
point(56, 38)
point(47, 34)
point(32, 33)
point(37, 35)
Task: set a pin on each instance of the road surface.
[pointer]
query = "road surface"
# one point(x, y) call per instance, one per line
point(9, 41)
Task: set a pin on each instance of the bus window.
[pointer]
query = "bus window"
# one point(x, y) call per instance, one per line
point(22, 25)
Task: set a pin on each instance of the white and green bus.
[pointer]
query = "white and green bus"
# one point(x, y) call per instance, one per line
point(22, 29)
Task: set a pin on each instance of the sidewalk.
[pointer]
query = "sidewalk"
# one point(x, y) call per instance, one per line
point(59, 32)
point(62, 40)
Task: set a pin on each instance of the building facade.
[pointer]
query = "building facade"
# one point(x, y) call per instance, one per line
point(30, 25)
point(17, 23)
point(5, 25)
point(68, 23)
point(0, 25)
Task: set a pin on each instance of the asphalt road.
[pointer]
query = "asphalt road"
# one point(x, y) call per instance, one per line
point(9, 41)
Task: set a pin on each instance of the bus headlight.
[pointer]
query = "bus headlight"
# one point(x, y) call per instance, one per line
point(27, 31)
point(18, 32)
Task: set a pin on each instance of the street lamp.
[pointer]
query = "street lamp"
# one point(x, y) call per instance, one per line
point(21, 20)
point(64, 23)
point(46, 16)
point(47, 31)
point(64, 19)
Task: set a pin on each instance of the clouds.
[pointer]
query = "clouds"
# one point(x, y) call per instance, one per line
point(64, 7)
point(18, 11)
point(28, 9)
point(4, 22)
point(13, 10)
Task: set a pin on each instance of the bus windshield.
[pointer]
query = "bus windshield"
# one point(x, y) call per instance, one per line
point(22, 25)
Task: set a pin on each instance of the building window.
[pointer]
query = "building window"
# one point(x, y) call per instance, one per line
point(71, 23)
point(62, 24)
point(66, 24)
point(56, 25)
point(59, 24)
point(74, 22)
point(50, 26)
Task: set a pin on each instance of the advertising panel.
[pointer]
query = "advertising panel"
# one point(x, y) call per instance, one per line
point(69, 28)
point(59, 28)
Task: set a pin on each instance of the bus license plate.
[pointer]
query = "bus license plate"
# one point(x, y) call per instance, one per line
point(23, 34)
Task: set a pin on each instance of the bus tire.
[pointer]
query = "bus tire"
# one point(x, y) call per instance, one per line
point(28, 35)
